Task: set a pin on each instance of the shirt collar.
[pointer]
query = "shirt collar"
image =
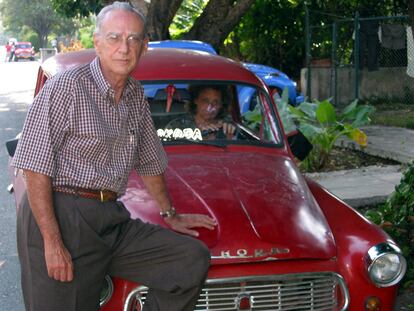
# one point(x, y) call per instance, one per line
point(103, 86)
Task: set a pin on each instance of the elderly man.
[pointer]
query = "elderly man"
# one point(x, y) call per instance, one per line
point(83, 134)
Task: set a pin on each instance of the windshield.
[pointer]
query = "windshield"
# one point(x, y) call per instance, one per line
point(23, 46)
point(212, 113)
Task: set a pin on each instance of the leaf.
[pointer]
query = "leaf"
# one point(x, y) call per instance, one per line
point(349, 110)
point(310, 131)
point(285, 115)
point(374, 215)
point(362, 116)
point(285, 95)
point(309, 109)
point(359, 137)
point(325, 113)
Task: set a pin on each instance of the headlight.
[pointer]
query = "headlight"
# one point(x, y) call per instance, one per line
point(385, 264)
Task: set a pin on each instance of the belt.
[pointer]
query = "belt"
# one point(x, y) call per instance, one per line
point(100, 195)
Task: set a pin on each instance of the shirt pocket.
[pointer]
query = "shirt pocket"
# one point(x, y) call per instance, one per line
point(89, 140)
point(131, 148)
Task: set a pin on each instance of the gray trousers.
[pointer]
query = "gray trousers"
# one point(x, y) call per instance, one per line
point(102, 239)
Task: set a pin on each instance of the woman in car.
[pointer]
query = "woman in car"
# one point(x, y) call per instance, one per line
point(208, 111)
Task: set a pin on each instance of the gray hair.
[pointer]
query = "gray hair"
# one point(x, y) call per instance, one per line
point(122, 6)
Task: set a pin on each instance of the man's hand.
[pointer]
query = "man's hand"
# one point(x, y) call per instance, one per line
point(180, 222)
point(58, 261)
point(184, 222)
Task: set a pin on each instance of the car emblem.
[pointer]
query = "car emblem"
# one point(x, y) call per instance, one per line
point(243, 301)
point(266, 254)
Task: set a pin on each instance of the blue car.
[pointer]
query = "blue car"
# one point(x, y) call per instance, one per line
point(276, 80)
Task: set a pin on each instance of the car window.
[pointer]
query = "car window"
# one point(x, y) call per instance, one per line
point(255, 117)
point(211, 112)
point(23, 46)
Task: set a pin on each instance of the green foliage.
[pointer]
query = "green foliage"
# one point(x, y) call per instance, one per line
point(393, 112)
point(253, 118)
point(38, 15)
point(34, 39)
point(71, 8)
point(273, 31)
point(86, 29)
point(322, 126)
point(86, 38)
point(396, 217)
point(186, 15)
point(284, 112)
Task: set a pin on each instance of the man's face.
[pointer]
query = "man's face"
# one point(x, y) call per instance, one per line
point(120, 43)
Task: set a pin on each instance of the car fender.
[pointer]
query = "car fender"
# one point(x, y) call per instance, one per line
point(354, 236)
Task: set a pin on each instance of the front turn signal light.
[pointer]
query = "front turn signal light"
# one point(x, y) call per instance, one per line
point(373, 303)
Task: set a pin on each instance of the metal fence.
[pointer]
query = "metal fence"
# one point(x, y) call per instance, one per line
point(368, 58)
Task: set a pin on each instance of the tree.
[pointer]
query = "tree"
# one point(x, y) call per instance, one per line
point(217, 21)
point(185, 17)
point(159, 17)
point(38, 15)
point(214, 24)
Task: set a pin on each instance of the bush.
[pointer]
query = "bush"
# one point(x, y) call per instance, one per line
point(396, 217)
point(323, 125)
point(86, 37)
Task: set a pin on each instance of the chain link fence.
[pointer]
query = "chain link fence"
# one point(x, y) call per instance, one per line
point(367, 58)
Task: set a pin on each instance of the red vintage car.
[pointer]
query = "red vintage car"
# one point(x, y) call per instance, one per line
point(24, 50)
point(282, 241)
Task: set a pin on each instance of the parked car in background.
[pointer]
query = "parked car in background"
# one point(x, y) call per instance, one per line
point(282, 241)
point(275, 79)
point(24, 50)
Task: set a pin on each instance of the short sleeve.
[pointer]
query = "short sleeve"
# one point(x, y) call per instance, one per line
point(44, 129)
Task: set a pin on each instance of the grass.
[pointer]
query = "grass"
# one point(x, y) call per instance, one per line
point(393, 114)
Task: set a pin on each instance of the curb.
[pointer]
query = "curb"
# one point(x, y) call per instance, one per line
point(363, 186)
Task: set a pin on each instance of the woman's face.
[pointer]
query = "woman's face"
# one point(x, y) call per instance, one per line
point(208, 104)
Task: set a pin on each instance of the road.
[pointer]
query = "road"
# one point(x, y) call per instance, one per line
point(17, 81)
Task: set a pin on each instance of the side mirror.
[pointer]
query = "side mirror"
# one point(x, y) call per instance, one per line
point(299, 145)
point(11, 146)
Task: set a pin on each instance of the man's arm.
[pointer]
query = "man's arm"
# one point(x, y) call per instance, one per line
point(58, 260)
point(183, 223)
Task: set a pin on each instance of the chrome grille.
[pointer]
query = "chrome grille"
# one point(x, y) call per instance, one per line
point(309, 291)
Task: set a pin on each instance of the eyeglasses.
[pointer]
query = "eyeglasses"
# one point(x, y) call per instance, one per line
point(115, 39)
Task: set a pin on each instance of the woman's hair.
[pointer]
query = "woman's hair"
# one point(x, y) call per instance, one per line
point(196, 89)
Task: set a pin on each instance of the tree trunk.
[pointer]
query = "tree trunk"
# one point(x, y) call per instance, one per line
point(42, 39)
point(160, 16)
point(217, 20)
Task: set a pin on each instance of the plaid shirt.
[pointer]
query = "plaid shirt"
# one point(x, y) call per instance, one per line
point(76, 134)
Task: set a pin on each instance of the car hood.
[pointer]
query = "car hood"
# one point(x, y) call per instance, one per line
point(262, 205)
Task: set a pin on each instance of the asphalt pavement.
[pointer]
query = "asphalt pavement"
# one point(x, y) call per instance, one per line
point(17, 81)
